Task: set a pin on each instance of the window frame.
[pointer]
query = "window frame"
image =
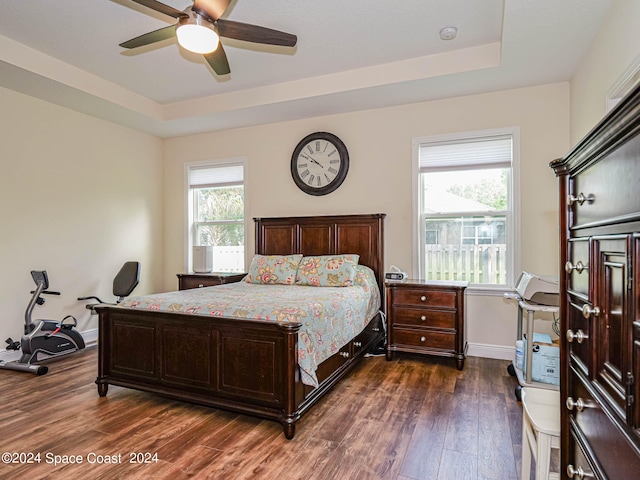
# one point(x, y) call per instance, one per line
point(189, 202)
point(513, 215)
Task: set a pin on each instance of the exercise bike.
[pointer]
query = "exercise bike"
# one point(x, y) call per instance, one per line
point(43, 338)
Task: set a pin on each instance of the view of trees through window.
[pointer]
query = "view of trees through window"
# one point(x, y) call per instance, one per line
point(220, 223)
point(490, 191)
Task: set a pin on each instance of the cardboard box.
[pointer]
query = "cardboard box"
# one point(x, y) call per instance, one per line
point(545, 364)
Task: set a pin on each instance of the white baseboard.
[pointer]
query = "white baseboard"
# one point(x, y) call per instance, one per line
point(90, 339)
point(499, 352)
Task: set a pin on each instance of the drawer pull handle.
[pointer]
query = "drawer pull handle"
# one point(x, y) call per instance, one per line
point(587, 311)
point(579, 473)
point(423, 339)
point(577, 404)
point(376, 329)
point(578, 267)
point(423, 318)
point(357, 344)
point(579, 336)
point(423, 298)
point(580, 199)
point(345, 354)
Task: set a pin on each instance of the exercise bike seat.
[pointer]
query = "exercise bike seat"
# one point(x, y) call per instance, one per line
point(124, 283)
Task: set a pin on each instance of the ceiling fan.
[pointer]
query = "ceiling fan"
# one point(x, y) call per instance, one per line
point(199, 28)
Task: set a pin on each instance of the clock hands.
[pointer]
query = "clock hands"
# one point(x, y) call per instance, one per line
point(314, 161)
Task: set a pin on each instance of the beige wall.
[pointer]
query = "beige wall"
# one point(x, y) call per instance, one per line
point(380, 177)
point(79, 239)
point(79, 196)
point(616, 47)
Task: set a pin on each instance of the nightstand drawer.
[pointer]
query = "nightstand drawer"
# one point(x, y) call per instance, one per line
point(424, 318)
point(422, 297)
point(416, 338)
point(187, 281)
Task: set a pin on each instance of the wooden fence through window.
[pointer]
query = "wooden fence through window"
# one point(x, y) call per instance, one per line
point(471, 263)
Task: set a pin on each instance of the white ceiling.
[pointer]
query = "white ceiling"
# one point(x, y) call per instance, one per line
point(351, 55)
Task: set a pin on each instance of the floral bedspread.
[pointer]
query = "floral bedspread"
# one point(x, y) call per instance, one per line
point(330, 316)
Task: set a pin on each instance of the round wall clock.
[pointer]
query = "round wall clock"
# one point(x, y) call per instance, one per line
point(319, 163)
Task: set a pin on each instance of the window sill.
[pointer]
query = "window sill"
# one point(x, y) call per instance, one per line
point(488, 290)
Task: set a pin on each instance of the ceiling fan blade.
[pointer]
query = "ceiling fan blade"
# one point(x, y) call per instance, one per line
point(210, 8)
point(151, 37)
point(254, 33)
point(218, 61)
point(162, 8)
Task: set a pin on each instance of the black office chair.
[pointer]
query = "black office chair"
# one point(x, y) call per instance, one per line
point(123, 284)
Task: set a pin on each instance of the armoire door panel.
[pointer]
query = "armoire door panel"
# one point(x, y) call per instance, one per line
point(611, 322)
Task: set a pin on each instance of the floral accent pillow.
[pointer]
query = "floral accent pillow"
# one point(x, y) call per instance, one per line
point(273, 269)
point(328, 270)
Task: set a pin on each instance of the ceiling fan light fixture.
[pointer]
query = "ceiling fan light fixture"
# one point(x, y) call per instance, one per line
point(197, 35)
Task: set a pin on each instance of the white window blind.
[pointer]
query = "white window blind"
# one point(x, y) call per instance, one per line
point(216, 176)
point(494, 152)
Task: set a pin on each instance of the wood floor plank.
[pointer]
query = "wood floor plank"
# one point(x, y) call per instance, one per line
point(495, 449)
point(423, 456)
point(463, 427)
point(458, 465)
point(412, 418)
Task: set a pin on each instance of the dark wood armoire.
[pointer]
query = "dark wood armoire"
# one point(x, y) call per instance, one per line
point(600, 311)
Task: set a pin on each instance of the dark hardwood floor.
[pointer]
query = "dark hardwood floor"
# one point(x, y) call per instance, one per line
point(412, 418)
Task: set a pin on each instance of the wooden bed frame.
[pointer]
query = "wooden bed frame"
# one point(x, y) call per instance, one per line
point(235, 364)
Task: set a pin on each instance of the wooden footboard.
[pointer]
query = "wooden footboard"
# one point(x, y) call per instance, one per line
point(233, 364)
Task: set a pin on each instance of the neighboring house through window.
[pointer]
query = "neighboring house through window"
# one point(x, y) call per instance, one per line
point(216, 212)
point(465, 205)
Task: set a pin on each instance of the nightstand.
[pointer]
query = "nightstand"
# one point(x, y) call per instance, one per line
point(426, 316)
point(187, 281)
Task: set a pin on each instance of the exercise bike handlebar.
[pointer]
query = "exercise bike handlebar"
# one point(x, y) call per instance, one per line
point(35, 299)
point(91, 298)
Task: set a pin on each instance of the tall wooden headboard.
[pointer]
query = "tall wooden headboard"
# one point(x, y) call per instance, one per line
point(325, 235)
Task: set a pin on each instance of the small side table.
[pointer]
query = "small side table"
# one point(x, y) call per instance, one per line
point(187, 281)
point(426, 316)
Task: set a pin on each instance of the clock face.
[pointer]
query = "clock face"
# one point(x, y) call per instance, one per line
point(319, 163)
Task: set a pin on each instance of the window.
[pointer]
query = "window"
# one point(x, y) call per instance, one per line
point(465, 207)
point(216, 213)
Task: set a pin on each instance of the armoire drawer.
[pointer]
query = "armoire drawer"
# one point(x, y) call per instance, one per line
point(609, 188)
point(577, 462)
point(606, 441)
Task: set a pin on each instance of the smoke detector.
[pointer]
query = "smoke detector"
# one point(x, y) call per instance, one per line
point(448, 33)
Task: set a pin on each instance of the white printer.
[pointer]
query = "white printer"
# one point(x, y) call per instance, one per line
point(537, 289)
